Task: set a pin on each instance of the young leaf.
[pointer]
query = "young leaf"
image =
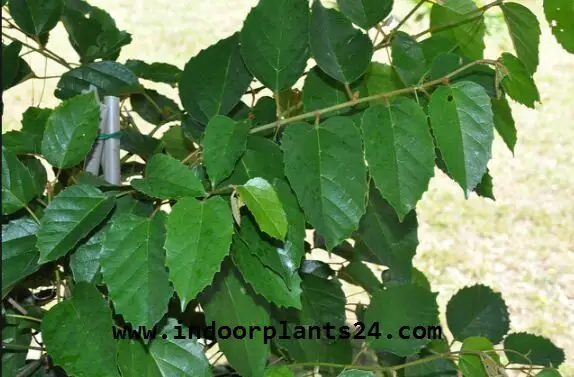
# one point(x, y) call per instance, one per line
point(408, 59)
point(525, 33)
point(223, 144)
point(339, 49)
point(198, 239)
point(504, 122)
point(158, 72)
point(400, 152)
point(71, 131)
point(469, 36)
point(229, 302)
point(462, 122)
point(518, 82)
point(36, 17)
point(213, 82)
point(366, 13)
point(167, 178)
point(77, 334)
point(477, 311)
point(261, 199)
point(18, 186)
point(537, 349)
point(411, 306)
point(559, 14)
point(69, 218)
point(19, 253)
point(110, 78)
point(274, 42)
point(478, 365)
point(155, 108)
point(133, 247)
point(325, 167)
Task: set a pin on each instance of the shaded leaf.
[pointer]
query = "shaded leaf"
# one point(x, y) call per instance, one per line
point(518, 82)
point(18, 186)
point(358, 273)
point(445, 64)
point(85, 261)
point(537, 349)
point(408, 59)
point(365, 13)
point(155, 108)
point(504, 122)
point(36, 17)
point(485, 188)
point(158, 72)
point(135, 142)
point(19, 253)
point(176, 143)
point(525, 33)
point(14, 69)
point(262, 158)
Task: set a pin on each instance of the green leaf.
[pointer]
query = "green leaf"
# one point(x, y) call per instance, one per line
point(358, 273)
point(18, 186)
point(274, 42)
point(135, 360)
point(397, 306)
point(223, 144)
point(176, 143)
point(462, 122)
point(504, 122)
point(381, 78)
point(77, 335)
point(71, 131)
point(265, 267)
point(325, 167)
point(278, 371)
point(69, 218)
point(548, 373)
point(356, 373)
point(133, 247)
point(485, 188)
point(29, 139)
point(19, 253)
point(167, 178)
point(36, 17)
point(518, 82)
point(261, 199)
point(469, 36)
point(473, 365)
point(446, 63)
point(13, 360)
point(214, 80)
point(14, 69)
point(408, 59)
point(384, 240)
point(158, 72)
point(537, 349)
point(366, 13)
point(559, 14)
point(400, 152)
point(432, 368)
point(477, 311)
point(198, 239)
point(85, 261)
point(155, 108)
point(339, 49)
point(135, 142)
point(110, 78)
point(525, 33)
point(229, 302)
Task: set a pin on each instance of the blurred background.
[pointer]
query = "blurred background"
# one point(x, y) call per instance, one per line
point(521, 245)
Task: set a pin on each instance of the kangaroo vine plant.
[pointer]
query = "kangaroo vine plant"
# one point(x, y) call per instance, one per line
point(210, 220)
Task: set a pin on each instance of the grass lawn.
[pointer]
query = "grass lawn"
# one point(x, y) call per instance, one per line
point(521, 245)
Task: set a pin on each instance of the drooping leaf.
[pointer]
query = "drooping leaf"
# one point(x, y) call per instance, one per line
point(358, 273)
point(167, 178)
point(399, 151)
point(518, 82)
point(18, 187)
point(230, 302)
point(384, 240)
point(158, 72)
point(14, 69)
point(325, 167)
point(339, 49)
point(559, 14)
point(504, 122)
point(109, 77)
point(411, 306)
point(155, 108)
point(133, 267)
point(77, 335)
point(537, 349)
point(408, 59)
point(472, 364)
point(469, 36)
point(477, 311)
point(214, 80)
point(262, 200)
point(223, 144)
point(274, 42)
point(198, 239)
point(19, 253)
point(36, 17)
point(85, 261)
point(69, 218)
point(365, 13)
point(525, 33)
point(71, 131)
point(462, 122)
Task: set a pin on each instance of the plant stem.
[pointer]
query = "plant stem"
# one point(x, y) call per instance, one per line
point(371, 98)
point(32, 214)
point(18, 347)
point(44, 51)
point(27, 317)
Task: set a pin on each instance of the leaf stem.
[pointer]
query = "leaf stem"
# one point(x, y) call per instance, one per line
point(27, 317)
point(371, 98)
point(44, 51)
point(32, 214)
point(18, 347)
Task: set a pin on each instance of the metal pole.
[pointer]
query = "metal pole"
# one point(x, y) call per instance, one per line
point(95, 156)
point(111, 157)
